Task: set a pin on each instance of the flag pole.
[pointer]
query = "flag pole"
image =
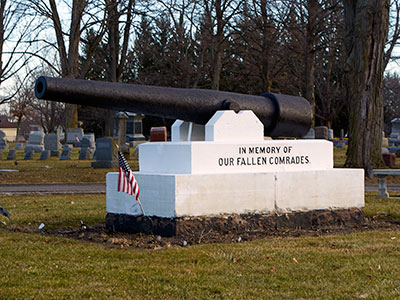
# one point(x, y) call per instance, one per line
point(140, 204)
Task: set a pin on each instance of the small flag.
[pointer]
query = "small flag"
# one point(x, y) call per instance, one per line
point(126, 180)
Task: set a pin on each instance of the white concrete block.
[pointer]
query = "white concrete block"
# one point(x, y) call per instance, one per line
point(214, 194)
point(244, 157)
point(118, 202)
point(325, 189)
point(200, 195)
point(228, 126)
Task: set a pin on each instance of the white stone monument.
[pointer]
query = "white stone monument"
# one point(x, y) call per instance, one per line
point(233, 170)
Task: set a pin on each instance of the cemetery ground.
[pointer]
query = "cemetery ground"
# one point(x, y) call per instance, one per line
point(74, 256)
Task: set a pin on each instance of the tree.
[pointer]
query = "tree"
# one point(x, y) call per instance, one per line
point(14, 28)
point(68, 42)
point(366, 24)
point(391, 99)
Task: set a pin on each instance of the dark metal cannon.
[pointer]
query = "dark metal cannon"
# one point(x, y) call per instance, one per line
point(282, 115)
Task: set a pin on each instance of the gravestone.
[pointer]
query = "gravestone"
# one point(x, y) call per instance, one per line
point(35, 142)
point(52, 144)
point(3, 142)
point(45, 155)
point(330, 135)
point(66, 153)
point(310, 134)
point(341, 134)
point(394, 137)
point(84, 153)
point(88, 141)
point(106, 153)
point(321, 132)
point(73, 134)
point(28, 155)
point(12, 154)
point(19, 146)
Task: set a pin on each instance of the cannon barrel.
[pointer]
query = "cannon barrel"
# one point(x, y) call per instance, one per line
point(282, 115)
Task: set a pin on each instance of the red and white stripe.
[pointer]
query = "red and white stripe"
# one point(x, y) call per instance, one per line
point(127, 183)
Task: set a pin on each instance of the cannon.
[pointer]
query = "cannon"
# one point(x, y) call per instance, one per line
point(282, 115)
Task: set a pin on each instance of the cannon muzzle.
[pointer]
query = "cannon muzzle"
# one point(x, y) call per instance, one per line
point(282, 115)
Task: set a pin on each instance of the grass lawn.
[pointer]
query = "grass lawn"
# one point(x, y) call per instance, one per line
point(53, 170)
point(361, 265)
point(33, 265)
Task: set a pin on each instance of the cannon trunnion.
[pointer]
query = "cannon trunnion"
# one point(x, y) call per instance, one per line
point(282, 115)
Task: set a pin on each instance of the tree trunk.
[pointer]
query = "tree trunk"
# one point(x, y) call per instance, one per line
point(2, 12)
point(366, 23)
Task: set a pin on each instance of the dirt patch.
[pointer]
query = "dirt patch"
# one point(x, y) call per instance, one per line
point(100, 234)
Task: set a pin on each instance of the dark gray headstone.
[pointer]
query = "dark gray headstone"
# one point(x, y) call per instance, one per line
point(45, 155)
point(321, 132)
point(19, 146)
point(395, 133)
point(84, 154)
point(66, 154)
point(12, 154)
point(52, 142)
point(106, 153)
point(330, 134)
point(3, 144)
point(28, 155)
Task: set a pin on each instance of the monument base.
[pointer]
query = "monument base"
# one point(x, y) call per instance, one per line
point(317, 219)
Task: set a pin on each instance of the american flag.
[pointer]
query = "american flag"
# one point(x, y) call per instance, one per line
point(126, 180)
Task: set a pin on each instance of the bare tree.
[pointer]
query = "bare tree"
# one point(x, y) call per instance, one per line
point(67, 42)
point(216, 16)
point(14, 52)
point(366, 33)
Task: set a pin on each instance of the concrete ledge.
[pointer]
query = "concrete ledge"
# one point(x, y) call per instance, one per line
point(316, 219)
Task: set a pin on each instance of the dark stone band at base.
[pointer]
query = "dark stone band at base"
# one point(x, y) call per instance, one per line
point(235, 223)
